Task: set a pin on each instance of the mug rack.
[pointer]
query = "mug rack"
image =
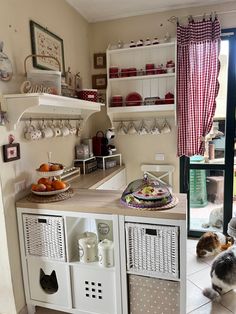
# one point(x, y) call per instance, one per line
point(145, 126)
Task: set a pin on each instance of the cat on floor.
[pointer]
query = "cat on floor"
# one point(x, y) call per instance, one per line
point(223, 274)
point(212, 243)
point(215, 218)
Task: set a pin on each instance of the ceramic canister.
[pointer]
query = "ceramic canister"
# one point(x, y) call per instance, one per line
point(106, 253)
point(88, 247)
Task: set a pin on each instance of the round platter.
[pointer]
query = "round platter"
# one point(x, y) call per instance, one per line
point(47, 174)
point(133, 99)
point(159, 193)
point(153, 206)
point(47, 193)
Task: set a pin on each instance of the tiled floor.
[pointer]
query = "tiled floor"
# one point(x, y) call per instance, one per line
point(198, 278)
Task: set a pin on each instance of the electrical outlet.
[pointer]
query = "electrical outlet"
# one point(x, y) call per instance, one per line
point(20, 186)
point(159, 156)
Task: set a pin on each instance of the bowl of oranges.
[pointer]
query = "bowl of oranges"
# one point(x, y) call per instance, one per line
point(50, 169)
point(48, 186)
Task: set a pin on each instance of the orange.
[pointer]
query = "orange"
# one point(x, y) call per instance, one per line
point(54, 167)
point(58, 185)
point(34, 187)
point(44, 167)
point(49, 187)
point(45, 181)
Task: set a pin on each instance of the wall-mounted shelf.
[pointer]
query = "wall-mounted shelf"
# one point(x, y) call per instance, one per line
point(147, 86)
point(142, 77)
point(17, 105)
point(141, 108)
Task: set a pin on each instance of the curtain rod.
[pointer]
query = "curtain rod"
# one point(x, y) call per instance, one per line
point(174, 19)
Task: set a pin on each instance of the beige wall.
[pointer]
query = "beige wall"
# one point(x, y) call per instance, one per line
point(64, 21)
point(142, 149)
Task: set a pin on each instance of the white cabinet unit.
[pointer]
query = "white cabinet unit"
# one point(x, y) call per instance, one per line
point(147, 84)
point(71, 285)
point(149, 270)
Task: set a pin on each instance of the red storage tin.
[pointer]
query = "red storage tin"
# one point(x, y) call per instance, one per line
point(116, 101)
point(150, 68)
point(124, 72)
point(113, 72)
point(132, 72)
point(88, 94)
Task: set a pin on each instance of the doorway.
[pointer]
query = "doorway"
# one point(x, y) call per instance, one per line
point(210, 181)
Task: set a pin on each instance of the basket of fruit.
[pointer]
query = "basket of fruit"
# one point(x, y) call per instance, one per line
point(45, 186)
point(50, 169)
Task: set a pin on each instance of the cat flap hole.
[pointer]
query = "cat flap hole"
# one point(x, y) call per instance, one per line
point(48, 283)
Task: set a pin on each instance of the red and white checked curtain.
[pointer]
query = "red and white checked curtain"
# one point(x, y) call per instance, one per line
point(198, 47)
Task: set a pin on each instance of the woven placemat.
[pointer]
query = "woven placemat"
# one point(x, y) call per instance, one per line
point(50, 198)
point(172, 204)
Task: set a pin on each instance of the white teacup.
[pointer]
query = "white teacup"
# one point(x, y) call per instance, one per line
point(47, 131)
point(143, 130)
point(64, 130)
point(155, 129)
point(72, 130)
point(131, 128)
point(56, 131)
point(122, 129)
point(32, 133)
point(165, 128)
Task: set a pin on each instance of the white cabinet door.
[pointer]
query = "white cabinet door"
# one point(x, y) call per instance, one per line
point(118, 182)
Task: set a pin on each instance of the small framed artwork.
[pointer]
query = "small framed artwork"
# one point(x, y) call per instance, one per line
point(11, 152)
point(44, 42)
point(99, 60)
point(99, 81)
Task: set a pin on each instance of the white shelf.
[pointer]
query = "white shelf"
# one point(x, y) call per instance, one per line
point(156, 85)
point(92, 265)
point(142, 77)
point(150, 108)
point(126, 49)
point(17, 105)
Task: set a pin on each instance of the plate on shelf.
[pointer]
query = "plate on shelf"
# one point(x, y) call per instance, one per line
point(47, 193)
point(133, 99)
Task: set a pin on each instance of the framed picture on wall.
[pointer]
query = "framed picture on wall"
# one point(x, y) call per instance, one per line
point(11, 152)
point(99, 60)
point(99, 81)
point(44, 42)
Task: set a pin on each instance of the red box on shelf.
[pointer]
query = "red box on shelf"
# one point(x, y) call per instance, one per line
point(88, 94)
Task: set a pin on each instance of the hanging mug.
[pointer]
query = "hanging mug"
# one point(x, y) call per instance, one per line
point(32, 133)
point(165, 128)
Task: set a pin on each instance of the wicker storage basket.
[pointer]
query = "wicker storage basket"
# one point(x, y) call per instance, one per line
point(152, 250)
point(44, 236)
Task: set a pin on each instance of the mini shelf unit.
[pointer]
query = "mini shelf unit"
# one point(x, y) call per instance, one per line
point(155, 85)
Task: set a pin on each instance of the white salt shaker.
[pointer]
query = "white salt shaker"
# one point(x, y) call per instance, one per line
point(106, 253)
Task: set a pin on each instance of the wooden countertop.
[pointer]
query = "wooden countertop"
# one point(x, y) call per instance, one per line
point(96, 178)
point(106, 202)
